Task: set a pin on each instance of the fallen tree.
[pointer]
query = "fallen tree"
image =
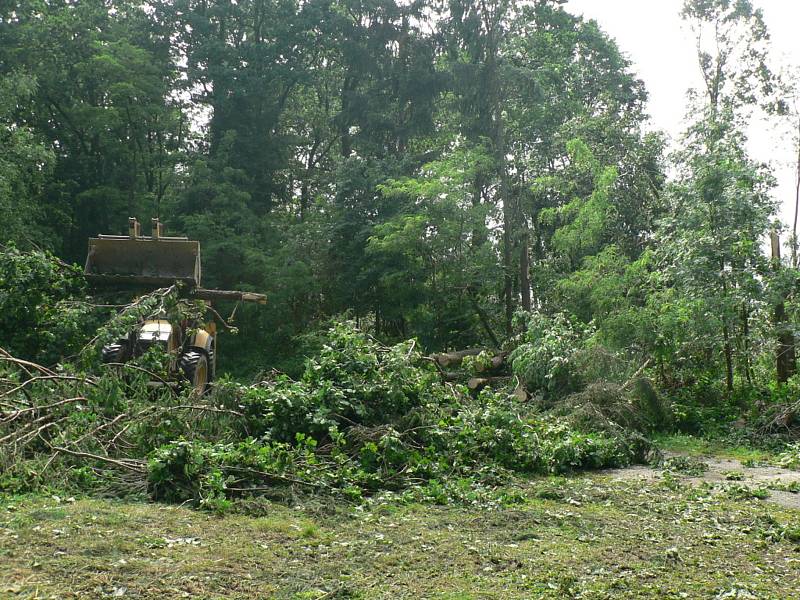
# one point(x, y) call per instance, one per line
point(363, 417)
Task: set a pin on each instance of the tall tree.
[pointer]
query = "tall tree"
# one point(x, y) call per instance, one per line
point(24, 165)
point(103, 103)
point(720, 206)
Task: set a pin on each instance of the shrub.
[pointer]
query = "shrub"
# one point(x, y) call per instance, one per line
point(40, 319)
point(545, 358)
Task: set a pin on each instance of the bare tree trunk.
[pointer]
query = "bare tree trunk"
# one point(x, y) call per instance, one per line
point(524, 271)
point(796, 200)
point(785, 358)
point(727, 347)
point(508, 227)
point(728, 351)
point(748, 371)
point(508, 276)
point(348, 87)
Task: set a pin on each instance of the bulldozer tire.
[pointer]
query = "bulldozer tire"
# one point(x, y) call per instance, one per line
point(112, 353)
point(194, 365)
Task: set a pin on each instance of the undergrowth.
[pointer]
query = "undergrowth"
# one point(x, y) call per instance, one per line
point(363, 418)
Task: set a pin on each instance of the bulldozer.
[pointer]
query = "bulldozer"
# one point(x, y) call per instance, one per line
point(146, 263)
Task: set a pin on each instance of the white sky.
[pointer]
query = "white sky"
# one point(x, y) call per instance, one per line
point(662, 50)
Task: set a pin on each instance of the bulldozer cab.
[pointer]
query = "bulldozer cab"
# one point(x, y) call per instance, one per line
point(154, 260)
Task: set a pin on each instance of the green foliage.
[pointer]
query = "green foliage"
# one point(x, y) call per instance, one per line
point(42, 316)
point(25, 163)
point(685, 464)
point(545, 358)
point(338, 157)
point(426, 170)
point(479, 363)
point(364, 418)
point(702, 408)
point(790, 457)
point(582, 223)
point(352, 379)
point(607, 406)
point(472, 447)
point(434, 256)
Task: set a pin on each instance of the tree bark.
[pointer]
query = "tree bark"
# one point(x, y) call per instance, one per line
point(232, 295)
point(476, 384)
point(727, 347)
point(796, 200)
point(524, 271)
point(450, 359)
point(728, 351)
point(508, 227)
point(785, 357)
point(748, 371)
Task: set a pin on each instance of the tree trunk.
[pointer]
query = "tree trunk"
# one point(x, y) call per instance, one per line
point(728, 351)
point(524, 271)
point(344, 117)
point(508, 227)
point(305, 200)
point(785, 357)
point(748, 374)
point(796, 200)
point(476, 384)
point(508, 276)
point(727, 348)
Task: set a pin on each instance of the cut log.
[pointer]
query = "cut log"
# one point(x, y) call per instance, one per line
point(496, 365)
point(456, 357)
point(520, 393)
point(451, 359)
point(476, 384)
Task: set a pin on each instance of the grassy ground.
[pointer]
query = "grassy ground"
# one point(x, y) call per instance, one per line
point(587, 536)
point(698, 446)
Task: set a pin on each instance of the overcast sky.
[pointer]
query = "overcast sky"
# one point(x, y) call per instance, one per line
point(652, 35)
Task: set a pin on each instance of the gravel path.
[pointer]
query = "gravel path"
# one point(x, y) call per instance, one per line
point(724, 472)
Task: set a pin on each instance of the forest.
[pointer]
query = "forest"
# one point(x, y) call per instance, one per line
point(486, 274)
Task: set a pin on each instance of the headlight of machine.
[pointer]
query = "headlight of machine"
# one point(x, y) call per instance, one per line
point(155, 332)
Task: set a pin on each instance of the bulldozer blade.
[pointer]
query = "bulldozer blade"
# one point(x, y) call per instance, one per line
point(149, 261)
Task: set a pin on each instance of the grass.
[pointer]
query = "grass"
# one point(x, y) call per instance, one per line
point(579, 537)
point(698, 446)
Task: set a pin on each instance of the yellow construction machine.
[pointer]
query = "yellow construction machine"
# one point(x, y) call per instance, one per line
point(157, 261)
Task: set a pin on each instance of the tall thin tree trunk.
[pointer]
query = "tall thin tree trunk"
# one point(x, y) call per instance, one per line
point(508, 273)
point(785, 358)
point(796, 200)
point(508, 224)
point(748, 371)
point(348, 87)
point(728, 351)
point(727, 348)
point(305, 200)
point(524, 270)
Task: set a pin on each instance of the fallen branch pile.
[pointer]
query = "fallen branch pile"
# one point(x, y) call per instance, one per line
point(100, 420)
point(362, 418)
